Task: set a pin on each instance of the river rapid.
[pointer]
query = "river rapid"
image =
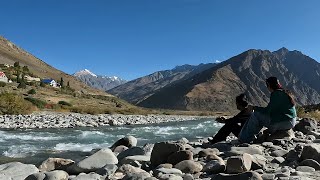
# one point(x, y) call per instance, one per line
point(36, 145)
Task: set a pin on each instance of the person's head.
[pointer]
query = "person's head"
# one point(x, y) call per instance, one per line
point(241, 101)
point(273, 84)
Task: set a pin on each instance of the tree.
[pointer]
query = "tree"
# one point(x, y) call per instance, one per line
point(25, 69)
point(18, 77)
point(42, 84)
point(61, 82)
point(16, 64)
point(22, 85)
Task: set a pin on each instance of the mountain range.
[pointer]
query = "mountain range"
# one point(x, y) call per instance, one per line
point(214, 86)
point(138, 90)
point(97, 81)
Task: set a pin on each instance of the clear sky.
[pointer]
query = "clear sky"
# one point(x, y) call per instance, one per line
point(134, 38)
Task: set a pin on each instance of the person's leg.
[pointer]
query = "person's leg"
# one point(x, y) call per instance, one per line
point(225, 131)
point(253, 125)
point(284, 125)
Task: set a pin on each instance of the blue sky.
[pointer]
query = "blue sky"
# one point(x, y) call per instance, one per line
point(134, 38)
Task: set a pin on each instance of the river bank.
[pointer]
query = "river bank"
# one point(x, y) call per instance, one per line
point(293, 157)
point(73, 120)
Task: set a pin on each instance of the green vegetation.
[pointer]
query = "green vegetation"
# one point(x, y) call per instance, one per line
point(312, 111)
point(14, 104)
point(32, 91)
point(37, 102)
point(64, 103)
point(42, 84)
point(2, 84)
point(22, 85)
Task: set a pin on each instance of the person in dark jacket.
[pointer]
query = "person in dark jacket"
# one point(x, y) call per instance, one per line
point(280, 114)
point(233, 125)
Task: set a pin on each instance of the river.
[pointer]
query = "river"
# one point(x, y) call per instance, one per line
point(35, 145)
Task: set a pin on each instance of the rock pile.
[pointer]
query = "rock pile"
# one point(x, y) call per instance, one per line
point(284, 159)
point(72, 120)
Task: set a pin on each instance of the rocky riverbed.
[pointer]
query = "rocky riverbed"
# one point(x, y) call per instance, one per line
point(293, 156)
point(72, 120)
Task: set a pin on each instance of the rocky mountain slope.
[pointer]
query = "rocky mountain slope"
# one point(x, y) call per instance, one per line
point(10, 53)
point(140, 89)
point(215, 88)
point(97, 81)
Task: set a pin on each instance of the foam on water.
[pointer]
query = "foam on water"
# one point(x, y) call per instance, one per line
point(79, 146)
point(87, 134)
point(30, 137)
point(20, 151)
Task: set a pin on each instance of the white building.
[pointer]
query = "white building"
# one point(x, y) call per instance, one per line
point(3, 77)
point(51, 82)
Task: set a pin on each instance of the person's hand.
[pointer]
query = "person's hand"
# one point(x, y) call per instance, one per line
point(250, 108)
point(220, 119)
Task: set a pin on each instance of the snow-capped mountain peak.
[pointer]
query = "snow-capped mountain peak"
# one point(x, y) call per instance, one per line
point(84, 72)
point(98, 81)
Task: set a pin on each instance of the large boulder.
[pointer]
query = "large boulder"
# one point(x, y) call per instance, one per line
point(55, 164)
point(90, 176)
point(107, 170)
point(94, 162)
point(167, 171)
point(17, 170)
point(208, 151)
point(128, 141)
point(162, 150)
point(258, 162)
point(52, 175)
point(236, 151)
point(242, 176)
point(136, 176)
point(189, 166)
point(135, 160)
point(281, 134)
point(131, 152)
point(179, 156)
point(306, 125)
point(311, 151)
point(214, 167)
point(239, 164)
point(310, 163)
point(127, 168)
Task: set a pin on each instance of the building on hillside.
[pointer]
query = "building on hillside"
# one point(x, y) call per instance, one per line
point(50, 82)
point(3, 77)
point(30, 79)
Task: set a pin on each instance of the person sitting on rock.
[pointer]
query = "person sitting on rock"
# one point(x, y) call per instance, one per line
point(279, 115)
point(233, 125)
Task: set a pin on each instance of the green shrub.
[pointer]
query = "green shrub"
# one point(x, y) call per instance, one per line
point(42, 84)
point(64, 103)
point(22, 85)
point(37, 102)
point(13, 104)
point(2, 84)
point(32, 91)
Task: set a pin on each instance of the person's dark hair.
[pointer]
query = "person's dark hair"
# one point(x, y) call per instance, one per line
point(274, 84)
point(242, 100)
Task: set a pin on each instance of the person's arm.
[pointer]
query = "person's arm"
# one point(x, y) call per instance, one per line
point(271, 105)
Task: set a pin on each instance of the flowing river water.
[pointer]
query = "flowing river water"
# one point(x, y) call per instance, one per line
point(36, 145)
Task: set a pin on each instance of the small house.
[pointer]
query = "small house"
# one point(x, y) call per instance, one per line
point(3, 77)
point(50, 82)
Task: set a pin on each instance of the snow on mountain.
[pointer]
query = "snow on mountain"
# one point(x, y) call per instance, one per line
point(84, 72)
point(97, 81)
